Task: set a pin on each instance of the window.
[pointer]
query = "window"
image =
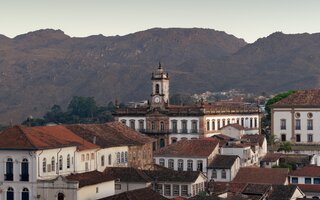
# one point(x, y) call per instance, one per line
point(161, 126)
point(223, 122)
point(92, 156)
point(44, 165)
point(214, 174)
point(117, 186)
point(298, 124)
point(153, 126)
point(170, 163)
point(25, 194)
point(316, 180)
point(213, 125)
point(53, 164)
point(310, 138)
point(162, 143)
point(282, 124)
point(184, 190)
point(223, 174)
point(24, 170)
point(97, 189)
point(190, 165)
point(68, 161)
point(122, 157)
point(167, 190)
point(294, 180)
point(255, 122)
point(124, 121)
point(161, 162)
point(307, 180)
point(180, 165)
point(60, 163)
point(159, 189)
point(310, 115)
point(109, 159)
point(86, 166)
point(251, 123)
point(184, 126)
point(176, 190)
point(310, 124)
point(102, 160)
point(157, 88)
point(174, 126)
point(10, 193)
point(298, 138)
point(118, 157)
point(199, 165)
point(218, 124)
point(126, 157)
point(60, 196)
point(87, 156)
point(141, 125)
point(228, 121)
point(242, 122)
point(208, 125)
point(194, 125)
point(132, 124)
point(173, 140)
point(283, 137)
point(238, 121)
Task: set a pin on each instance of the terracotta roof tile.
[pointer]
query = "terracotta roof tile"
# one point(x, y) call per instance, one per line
point(189, 148)
point(41, 137)
point(140, 194)
point(282, 192)
point(309, 187)
point(276, 176)
point(271, 157)
point(223, 161)
point(254, 138)
point(301, 98)
point(90, 178)
point(309, 171)
point(127, 174)
point(110, 134)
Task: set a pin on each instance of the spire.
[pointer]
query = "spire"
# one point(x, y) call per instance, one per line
point(160, 67)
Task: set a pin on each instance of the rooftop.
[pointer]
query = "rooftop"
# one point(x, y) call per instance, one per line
point(254, 138)
point(90, 178)
point(189, 148)
point(140, 194)
point(41, 137)
point(236, 126)
point(301, 98)
point(127, 174)
point(277, 176)
point(110, 134)
point(223, 161)
point(271, 157)
point(283, 192)
point(308, 171)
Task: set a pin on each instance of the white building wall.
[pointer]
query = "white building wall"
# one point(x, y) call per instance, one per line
point(112, 151)
point(126, 186)
point(185, 162)
point(233, 120)
point(97, 191)
point(127, 120)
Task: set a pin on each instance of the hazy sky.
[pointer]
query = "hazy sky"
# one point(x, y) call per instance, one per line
point(247, 19)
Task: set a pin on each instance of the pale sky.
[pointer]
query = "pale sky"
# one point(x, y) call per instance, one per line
point(247, 19)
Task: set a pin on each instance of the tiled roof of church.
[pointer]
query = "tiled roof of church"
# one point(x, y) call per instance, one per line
point(110, 134)
point(41, 137)
point(189, 148)
point(301, 98)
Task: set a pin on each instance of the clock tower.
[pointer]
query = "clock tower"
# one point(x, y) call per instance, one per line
point(160, 88)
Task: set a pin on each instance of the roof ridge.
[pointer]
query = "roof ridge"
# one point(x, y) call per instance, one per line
point(26, 135)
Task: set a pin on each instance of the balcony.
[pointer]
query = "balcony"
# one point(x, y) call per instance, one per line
point(8, 177)
point(309, 128)
point(24, 177)
point(154, 131)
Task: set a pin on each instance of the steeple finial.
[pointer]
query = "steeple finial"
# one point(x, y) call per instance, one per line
point(160, 67)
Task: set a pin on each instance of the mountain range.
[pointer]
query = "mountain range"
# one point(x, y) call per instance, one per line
point(46, 67)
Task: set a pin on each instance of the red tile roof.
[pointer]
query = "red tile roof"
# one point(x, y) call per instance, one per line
point(309, 171)
point(254, 138)
point(223, 161)
point(41, 137)
point(271, 157)
point(110, 134)
point(277, 176)
point(301, 98)
point(309, 187)
point(90, 178)
point(139, 194)
point(189, 148)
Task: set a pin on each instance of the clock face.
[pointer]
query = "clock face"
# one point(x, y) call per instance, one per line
point(157, 99)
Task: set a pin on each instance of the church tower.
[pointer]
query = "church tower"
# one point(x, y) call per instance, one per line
point(160, 88)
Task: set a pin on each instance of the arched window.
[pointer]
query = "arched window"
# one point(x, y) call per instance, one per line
point(60, 163)
point(157, 88)
point(122, 157)
point(180, 165)
point(10, 193)
point(251, 125)
point(25, 194)
point(223, 174)
point(53, 164)
point(102, 160)
point(9, 169)
point(44, 165)
point(109, 159)
point(214, 174)
point(60, 196)
point(87, 156)
point(161, 126)
point(162, 143)
point(190, 165)
point(68, 161)
point(228, 121)
point(213, 125)
point(161, 162)
point(25, 170)
point(208, 125)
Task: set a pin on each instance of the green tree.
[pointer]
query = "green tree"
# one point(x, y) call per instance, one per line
point(275, 99)
point(285, 146)
point(82, 107)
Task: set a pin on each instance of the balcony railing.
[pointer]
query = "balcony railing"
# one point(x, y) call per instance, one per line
point(154, 131)
point(8, 177)
point(310, 128)
point(24, 177)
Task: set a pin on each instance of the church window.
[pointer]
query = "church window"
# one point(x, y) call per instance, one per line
point(157, 88)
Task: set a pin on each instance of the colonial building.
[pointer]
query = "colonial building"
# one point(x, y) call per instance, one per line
point(296, 117)
point(171, 123)
point(224, 168)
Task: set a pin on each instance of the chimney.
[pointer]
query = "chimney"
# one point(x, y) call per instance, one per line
point(94, 139)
